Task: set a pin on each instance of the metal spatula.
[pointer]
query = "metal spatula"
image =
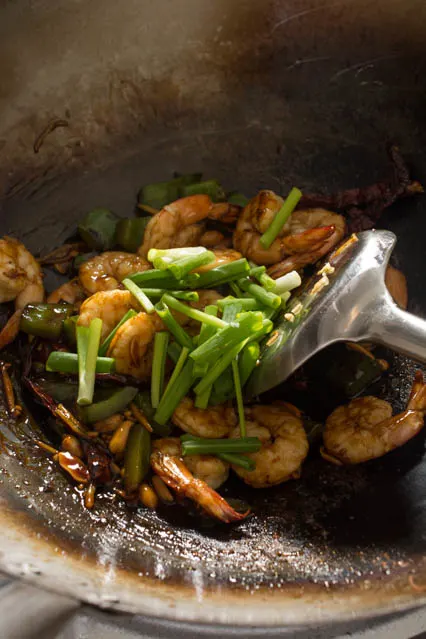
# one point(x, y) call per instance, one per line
point(347, 300)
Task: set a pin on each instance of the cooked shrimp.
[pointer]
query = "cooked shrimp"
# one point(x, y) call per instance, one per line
point(105, 272)
point(396, 282)
point(284, 444)
point(20, 280)
point(364, 429)
point(222, 256)
point(212, 422)
point(306, 236)
point(109, 306)
point(71, 292)
point(182, 223)
point(176, 475)
point(131, 346)
point(208, 468)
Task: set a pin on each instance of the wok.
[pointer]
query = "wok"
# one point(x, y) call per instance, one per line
point(259, 93)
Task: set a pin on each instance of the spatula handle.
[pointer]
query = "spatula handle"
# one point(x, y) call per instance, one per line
point(401, 331)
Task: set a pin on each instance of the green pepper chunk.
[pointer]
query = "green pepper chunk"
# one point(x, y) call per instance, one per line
point(45, 320)
point(159, 194)
point(129, 233)
point(137, 457)
point(70, 329)
point(212, 188)
point(115, 402)
point(98, 229)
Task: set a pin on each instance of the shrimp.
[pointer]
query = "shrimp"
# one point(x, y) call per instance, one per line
point(105, 272)
point(306, 236)
point(176, 475)
point(365, 429)
point(182, 223)
point(20, 280)
point(71, 292)
point(284, 444)
point(213, 422)
point(132, 346)
point(222, 257)
point(208, 468)
point(109, 306)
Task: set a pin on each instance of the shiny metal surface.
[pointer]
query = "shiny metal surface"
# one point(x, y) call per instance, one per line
point(354, 305)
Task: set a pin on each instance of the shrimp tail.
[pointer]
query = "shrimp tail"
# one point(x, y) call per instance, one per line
point(417, 399)
point(174, 473)
point(309, 239)
point(10, 330)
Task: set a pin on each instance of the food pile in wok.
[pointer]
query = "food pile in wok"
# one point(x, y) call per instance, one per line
point(142, 353)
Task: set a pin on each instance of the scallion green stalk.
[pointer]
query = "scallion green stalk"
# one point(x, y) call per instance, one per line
point(217, 369)
point(198, 446)
point(238, 460)
point(259, 293)
point(219, 275)
point(139, 295)
point(87, 348)
point(178, 386)
point(179, 333)
point(193, 313)
point(180, 261)
point(247, 361)
point(155, 278)
point(103, 349)
point(60, 362)
point(248, 304)
point(281, 218)
point(239, 395)
point(187, 296)
point(206, 331)
point(161, 342)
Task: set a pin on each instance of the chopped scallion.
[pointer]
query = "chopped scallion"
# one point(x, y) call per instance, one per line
point(139, 295)
point(281, 218)
point(161, 341)
point(107, 341)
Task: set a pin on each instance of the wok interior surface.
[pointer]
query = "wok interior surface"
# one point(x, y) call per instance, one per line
point(257, 95)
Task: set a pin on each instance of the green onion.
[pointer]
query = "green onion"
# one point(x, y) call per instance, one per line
point(88, 339)
point(161, 341)
point(155, 278)
point(238, 460)
point(179, 333)
point(161, 193)
point(61, 362)
point(223, 388)
point(114, 403)
point(129, 233)
point(248, 304)
point(249, 323)
point(136, 457)
point(106, 343)
point(187, 296)
point(45, 320)
point(267, 327)
point(238, 393)
point(178, 386)
point(287, 282)
point(199, 446)
point(258, 292)
point(180, 261)
point(259, 272)
point(231, 311)
point(97, 229)
point(236, 290)
point(280, 218)
point(219, 275)
point(218, 368)
point(139, 295)
point(247, 361)
point(193, 313)
point(202, 400)
point(211, 188)
point(174, 351)
point(238, 199)
point(206, 331)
